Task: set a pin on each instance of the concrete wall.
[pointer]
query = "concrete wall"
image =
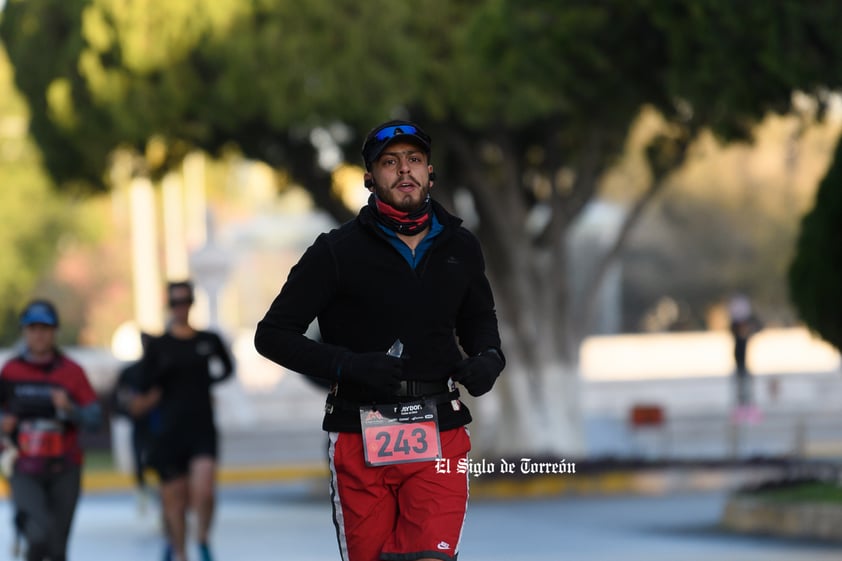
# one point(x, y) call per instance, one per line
point(703, 353)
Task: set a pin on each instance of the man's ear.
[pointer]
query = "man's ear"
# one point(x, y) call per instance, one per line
point(432, 176)
point(368, 181)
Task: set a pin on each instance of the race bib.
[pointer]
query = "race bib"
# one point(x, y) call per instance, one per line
point(400, 433)
point(41, 438)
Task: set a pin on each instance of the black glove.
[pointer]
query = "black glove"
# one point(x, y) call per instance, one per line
point(478, 373)
point(375, 370)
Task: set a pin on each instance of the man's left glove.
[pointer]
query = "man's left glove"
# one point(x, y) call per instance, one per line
point(478, 373)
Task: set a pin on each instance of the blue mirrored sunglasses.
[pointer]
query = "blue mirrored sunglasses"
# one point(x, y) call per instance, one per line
point(390, 132)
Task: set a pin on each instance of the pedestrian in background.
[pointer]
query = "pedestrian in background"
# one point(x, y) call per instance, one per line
point(744, 325)
point(179, 369)
point(45, 399)
point(144, 424)
point(400, 292)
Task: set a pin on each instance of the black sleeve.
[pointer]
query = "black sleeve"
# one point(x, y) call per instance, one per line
point(221, 351)
point(150, 367)
point(280, 335)
point(125, 382)
point(4, 392)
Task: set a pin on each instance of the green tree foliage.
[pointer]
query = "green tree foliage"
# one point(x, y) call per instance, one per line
point(815, 275)
point(259, 75)
point(33, 219)
point(529, 103)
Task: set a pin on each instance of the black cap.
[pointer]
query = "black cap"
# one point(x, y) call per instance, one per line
point(383, 135)
point(39, 312)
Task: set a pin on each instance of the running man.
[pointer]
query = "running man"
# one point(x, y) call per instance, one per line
point(404, 309)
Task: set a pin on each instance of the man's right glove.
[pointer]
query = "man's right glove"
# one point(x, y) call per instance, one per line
point(377, 370)
point(478, 373)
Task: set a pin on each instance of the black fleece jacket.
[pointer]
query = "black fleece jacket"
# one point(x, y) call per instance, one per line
point(365, 296)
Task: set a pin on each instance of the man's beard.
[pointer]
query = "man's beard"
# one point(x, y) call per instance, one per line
point(401, 201)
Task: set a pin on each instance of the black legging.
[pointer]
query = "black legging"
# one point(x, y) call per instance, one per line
point(140, 445)
point(46, 504)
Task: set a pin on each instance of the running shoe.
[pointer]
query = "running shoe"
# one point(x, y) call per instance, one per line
point(141, 500)
point(204, 552)
point(168, 552)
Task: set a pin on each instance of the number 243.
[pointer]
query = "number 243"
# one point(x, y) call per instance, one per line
point(402, 444)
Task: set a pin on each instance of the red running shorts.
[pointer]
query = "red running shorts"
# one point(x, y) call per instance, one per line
point(399, 512)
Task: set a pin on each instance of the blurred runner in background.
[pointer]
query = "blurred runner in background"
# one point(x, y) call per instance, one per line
point(45, 399)
point(179, 369)
point(145, 424)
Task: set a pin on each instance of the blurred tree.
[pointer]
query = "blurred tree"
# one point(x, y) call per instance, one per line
point(815, 274)
point(727, 222)
point(33, 218)
point(529, 103)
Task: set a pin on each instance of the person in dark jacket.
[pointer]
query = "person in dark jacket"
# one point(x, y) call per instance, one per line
point(45, 400)
point(144, 426)
point(405, 309)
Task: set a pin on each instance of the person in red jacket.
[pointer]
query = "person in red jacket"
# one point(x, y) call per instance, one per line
point(405, 312)
point(45, 398)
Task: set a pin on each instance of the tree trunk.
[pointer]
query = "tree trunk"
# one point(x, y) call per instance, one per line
point(537, 403)
point(535, 408)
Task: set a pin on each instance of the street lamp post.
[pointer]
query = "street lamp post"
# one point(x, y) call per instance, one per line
point(210, 265)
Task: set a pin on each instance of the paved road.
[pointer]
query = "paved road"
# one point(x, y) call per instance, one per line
point(292, 521)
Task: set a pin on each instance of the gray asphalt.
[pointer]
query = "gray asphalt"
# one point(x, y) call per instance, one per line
point(292, 521)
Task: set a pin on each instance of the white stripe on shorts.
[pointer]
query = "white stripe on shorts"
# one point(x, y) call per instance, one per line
point(338, 516)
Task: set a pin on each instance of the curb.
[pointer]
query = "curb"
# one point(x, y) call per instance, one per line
point(629, 481)
point(807, 520)
point(110, 481)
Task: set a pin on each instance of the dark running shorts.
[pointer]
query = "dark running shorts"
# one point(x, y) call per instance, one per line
point(171, 458)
